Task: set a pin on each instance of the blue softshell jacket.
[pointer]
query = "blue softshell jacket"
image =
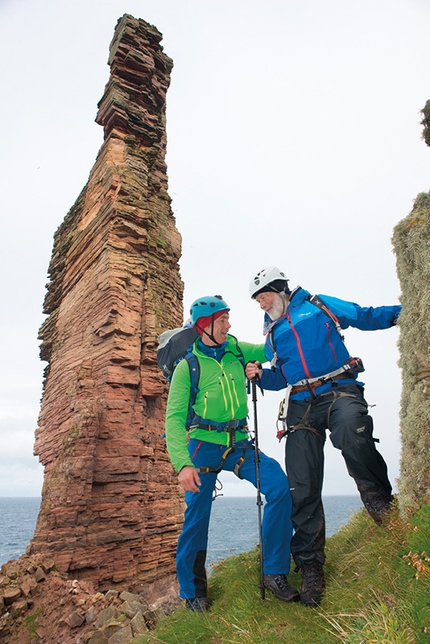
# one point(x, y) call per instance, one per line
point(307, 343)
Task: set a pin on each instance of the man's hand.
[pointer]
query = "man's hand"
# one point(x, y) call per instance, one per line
point(253, 369)
point(189, 479)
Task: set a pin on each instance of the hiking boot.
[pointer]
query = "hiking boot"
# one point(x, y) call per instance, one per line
point(377, 506)
point(280, 587)
point(197, 604)
point(312, 583)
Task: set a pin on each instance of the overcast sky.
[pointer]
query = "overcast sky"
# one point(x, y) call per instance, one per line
point(294, 139)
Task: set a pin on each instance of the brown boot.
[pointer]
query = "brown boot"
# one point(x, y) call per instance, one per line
point(312, 584)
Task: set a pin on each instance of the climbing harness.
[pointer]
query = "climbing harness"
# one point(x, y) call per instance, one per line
point(354, 365)
point(231, 427)
point(285, 430)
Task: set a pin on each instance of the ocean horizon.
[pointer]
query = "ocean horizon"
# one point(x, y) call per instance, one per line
point(226, 538)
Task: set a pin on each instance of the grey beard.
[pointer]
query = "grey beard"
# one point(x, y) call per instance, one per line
point(277, 311)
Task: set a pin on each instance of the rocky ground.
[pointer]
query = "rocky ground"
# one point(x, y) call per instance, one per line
point(41, 606)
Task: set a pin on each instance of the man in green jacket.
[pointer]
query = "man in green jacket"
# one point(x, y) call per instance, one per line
point(218, 439)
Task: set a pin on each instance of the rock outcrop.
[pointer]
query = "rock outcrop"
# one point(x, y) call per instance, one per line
point(411, 242)
point(412, 245)
point(111, 505)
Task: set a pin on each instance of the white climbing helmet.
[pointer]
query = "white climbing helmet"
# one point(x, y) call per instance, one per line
point(268, 279)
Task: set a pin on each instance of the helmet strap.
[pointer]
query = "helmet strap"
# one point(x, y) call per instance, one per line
point(211, 334)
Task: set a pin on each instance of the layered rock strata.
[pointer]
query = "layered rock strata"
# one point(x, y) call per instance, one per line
point(111, 506)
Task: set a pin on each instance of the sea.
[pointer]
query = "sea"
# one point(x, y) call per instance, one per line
point(233, 527)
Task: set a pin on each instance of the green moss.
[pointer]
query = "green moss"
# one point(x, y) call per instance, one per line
point(426, 122)
point(30, 623)
point(164, 195)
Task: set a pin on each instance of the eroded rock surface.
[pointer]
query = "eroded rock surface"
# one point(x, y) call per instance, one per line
point(40, 605)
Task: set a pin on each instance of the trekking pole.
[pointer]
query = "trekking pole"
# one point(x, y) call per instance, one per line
point(257, 477)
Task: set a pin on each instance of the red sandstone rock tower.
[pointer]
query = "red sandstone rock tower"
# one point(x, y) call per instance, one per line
point(111, 506)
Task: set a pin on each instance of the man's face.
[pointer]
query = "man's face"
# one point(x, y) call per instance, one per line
point(220, 329)
point(271, 303)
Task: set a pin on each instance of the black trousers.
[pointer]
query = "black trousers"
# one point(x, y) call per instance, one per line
point(344, 412)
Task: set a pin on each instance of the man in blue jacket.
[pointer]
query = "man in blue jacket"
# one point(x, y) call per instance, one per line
point(308, 357)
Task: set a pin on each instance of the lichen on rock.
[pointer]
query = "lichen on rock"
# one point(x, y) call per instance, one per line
point(411, 242)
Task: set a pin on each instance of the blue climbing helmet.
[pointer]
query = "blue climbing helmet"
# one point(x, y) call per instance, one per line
point(206, 307)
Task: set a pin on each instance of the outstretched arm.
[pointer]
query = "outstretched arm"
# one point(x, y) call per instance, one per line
point(365, 318)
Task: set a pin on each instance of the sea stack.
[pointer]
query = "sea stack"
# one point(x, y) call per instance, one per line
point(111, 505)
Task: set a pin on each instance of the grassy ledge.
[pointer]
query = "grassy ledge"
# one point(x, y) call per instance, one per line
point(377, 591)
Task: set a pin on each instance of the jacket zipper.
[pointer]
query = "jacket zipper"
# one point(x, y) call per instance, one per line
point(221, 382)
point(234, 391)
point(225, 385)
point(299, 346)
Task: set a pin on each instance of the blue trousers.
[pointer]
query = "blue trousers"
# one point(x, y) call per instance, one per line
point(276, 526)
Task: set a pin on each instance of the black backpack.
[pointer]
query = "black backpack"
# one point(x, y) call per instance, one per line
point(173, 346)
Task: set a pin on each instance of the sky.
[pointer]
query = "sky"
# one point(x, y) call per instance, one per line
point(294, 140)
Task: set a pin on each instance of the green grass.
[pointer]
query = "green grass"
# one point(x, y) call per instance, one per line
point(377, 592)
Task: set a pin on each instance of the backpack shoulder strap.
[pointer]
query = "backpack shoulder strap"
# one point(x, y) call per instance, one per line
point(317, 301)
point(194, 367)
